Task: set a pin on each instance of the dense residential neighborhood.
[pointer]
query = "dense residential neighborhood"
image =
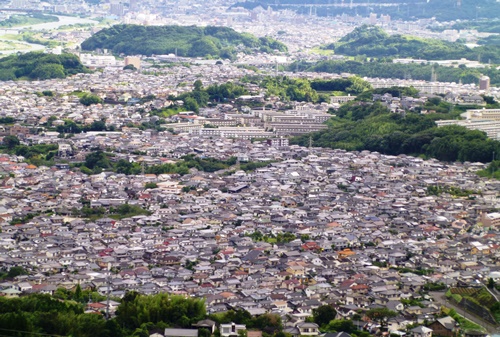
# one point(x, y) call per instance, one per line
point(115, 186)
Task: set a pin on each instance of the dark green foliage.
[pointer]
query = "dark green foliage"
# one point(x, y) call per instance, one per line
point(89, 99)
point(324, 314)
point(201, 97)
point(387, 69)
point(267, 323)
point(452, 190)
point(45, 71)
point(370, 126)
point(95, 162)
point(381, 315)
point(351, 85)
point(289, 89)
point(434, 286)
point(39, 66)
point(189, 41)
point(487, 26)
point(493, 170)
point(129, 67)
point(71, 127)
point(338, 325)
point(11, 141)
point(7, 120)
point(253, 165)
point(372, 41)
point(40, 154)
point(41, 313)
point(13, 272)
point(173, 310)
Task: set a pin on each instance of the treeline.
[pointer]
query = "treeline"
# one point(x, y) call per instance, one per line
point(38, 154)
point(486, 26)
point(32, 37)
point(28, 19)
point(387, 69)
point(370, 126)
point(120, 212)
point(137, 315)
point(201, 97)
point(492, 171)
point(99, 161)
point(373, 41)
point(351, 85)
point(142, 315)
point(190, 41)
point(39, 66)
point(301, 89)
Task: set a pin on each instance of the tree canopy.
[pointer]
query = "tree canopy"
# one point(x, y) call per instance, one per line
point(384, 68)
point(190, 41)
point(370, 126)
point(39, 66)
point(373, 41)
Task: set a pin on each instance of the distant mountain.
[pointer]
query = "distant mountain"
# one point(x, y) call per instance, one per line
point(191, 41)
point(442, 10)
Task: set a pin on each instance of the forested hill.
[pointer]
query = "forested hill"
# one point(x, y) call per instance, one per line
point(370, 126)
point(188, 41)
point(375, 42)
point(39, 66)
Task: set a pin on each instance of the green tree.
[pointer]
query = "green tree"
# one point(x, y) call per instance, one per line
point(78, 293)
point(324, 314)
point(198, 85)
point(491, 283)
point(11, 141)
point(338, 325)
point(89, 99)
point(381, 315)
point(191, 105)
point(97, 159)
point(204, 332)
point(48, 71)
point(130, 67)
point(16, 271)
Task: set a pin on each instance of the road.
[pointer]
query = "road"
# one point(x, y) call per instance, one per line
point(440, 299)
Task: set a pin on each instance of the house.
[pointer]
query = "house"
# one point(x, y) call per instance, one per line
point(231, 329)
point(421, 331)
point(445, 326)
point(206, 324)
point(308, 329)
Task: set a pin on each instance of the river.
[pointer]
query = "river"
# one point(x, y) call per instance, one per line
point(63, 20)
